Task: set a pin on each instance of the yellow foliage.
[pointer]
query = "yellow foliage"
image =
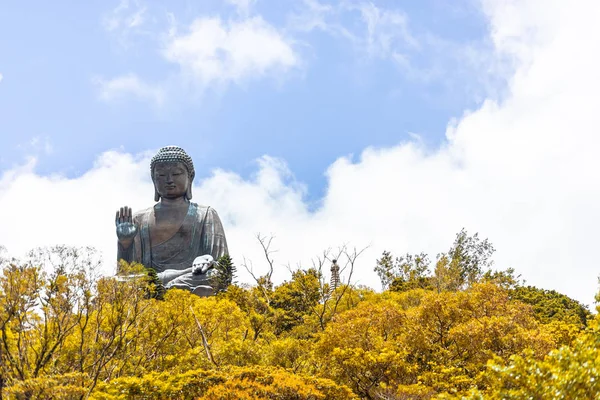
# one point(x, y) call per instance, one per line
point(289, 353)
point(441, 341)
point(65, 336)
point(230, 383)
point(571, 372)
point(71, 386)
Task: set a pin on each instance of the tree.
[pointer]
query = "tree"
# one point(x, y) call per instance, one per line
point(549, 305)
point(225, 275)
point(253, 303)
point(41, 307)
point(571, 372)
point(155, 288)
point(403, 273)
point(422, 341)
point(263, 282)
point(66, 334)
point(385, 268)
point(294, 299)
point(362, 348)
point(464, 264)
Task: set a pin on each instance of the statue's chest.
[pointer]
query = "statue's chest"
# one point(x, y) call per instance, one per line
point(165, 225)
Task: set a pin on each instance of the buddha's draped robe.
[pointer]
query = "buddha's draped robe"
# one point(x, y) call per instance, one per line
point(200, 233)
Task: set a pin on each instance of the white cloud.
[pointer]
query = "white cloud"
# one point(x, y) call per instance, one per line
point(313, 15)
point(212, 51)
point(378, 32)
point(126, 16)
point(129, 85)
point(386, 34)
point(523, 172)
point(1, 77)
point(243, 6)
point(128, 22)
point(387, 31)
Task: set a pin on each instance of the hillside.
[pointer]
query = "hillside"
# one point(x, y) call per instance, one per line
point(454, 330)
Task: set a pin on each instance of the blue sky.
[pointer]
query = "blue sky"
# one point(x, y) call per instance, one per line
point(387, 124)
point(339, 99)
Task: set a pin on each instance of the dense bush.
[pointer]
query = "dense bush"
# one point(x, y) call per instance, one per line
point(65, 334)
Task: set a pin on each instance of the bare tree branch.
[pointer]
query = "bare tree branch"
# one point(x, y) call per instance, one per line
point(351, 258)
point(263, 282)
point(204, 340)
point(266, 246)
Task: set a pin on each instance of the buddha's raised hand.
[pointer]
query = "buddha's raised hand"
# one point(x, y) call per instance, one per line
point(126, 229)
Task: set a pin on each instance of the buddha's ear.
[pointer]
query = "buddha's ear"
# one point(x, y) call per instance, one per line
point(156, 194)
point(188, 193)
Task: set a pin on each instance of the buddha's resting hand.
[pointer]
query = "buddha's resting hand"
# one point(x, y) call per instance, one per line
point(126, 229)
point(189, 278)
point(202, 264)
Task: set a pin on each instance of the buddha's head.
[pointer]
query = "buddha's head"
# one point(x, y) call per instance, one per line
point(172, 172)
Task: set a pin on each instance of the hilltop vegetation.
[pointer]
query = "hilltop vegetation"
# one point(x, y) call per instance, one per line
point(454, 329)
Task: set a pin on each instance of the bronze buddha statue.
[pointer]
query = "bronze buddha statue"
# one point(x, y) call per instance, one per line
point(179, 239)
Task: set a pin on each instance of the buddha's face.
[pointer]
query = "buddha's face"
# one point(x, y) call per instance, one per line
point(171, 179)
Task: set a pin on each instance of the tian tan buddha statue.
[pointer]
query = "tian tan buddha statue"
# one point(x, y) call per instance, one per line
point(179, 239)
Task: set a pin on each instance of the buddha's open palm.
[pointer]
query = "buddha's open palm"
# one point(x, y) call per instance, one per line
point(126, 229)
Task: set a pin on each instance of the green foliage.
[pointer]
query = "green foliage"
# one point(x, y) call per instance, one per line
point(403, 273)
point(464, 264)
point(294, 299)
point(506, 279)
point(225, 275)
point(155, 287)
point(549, 305)
point(472, 256)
